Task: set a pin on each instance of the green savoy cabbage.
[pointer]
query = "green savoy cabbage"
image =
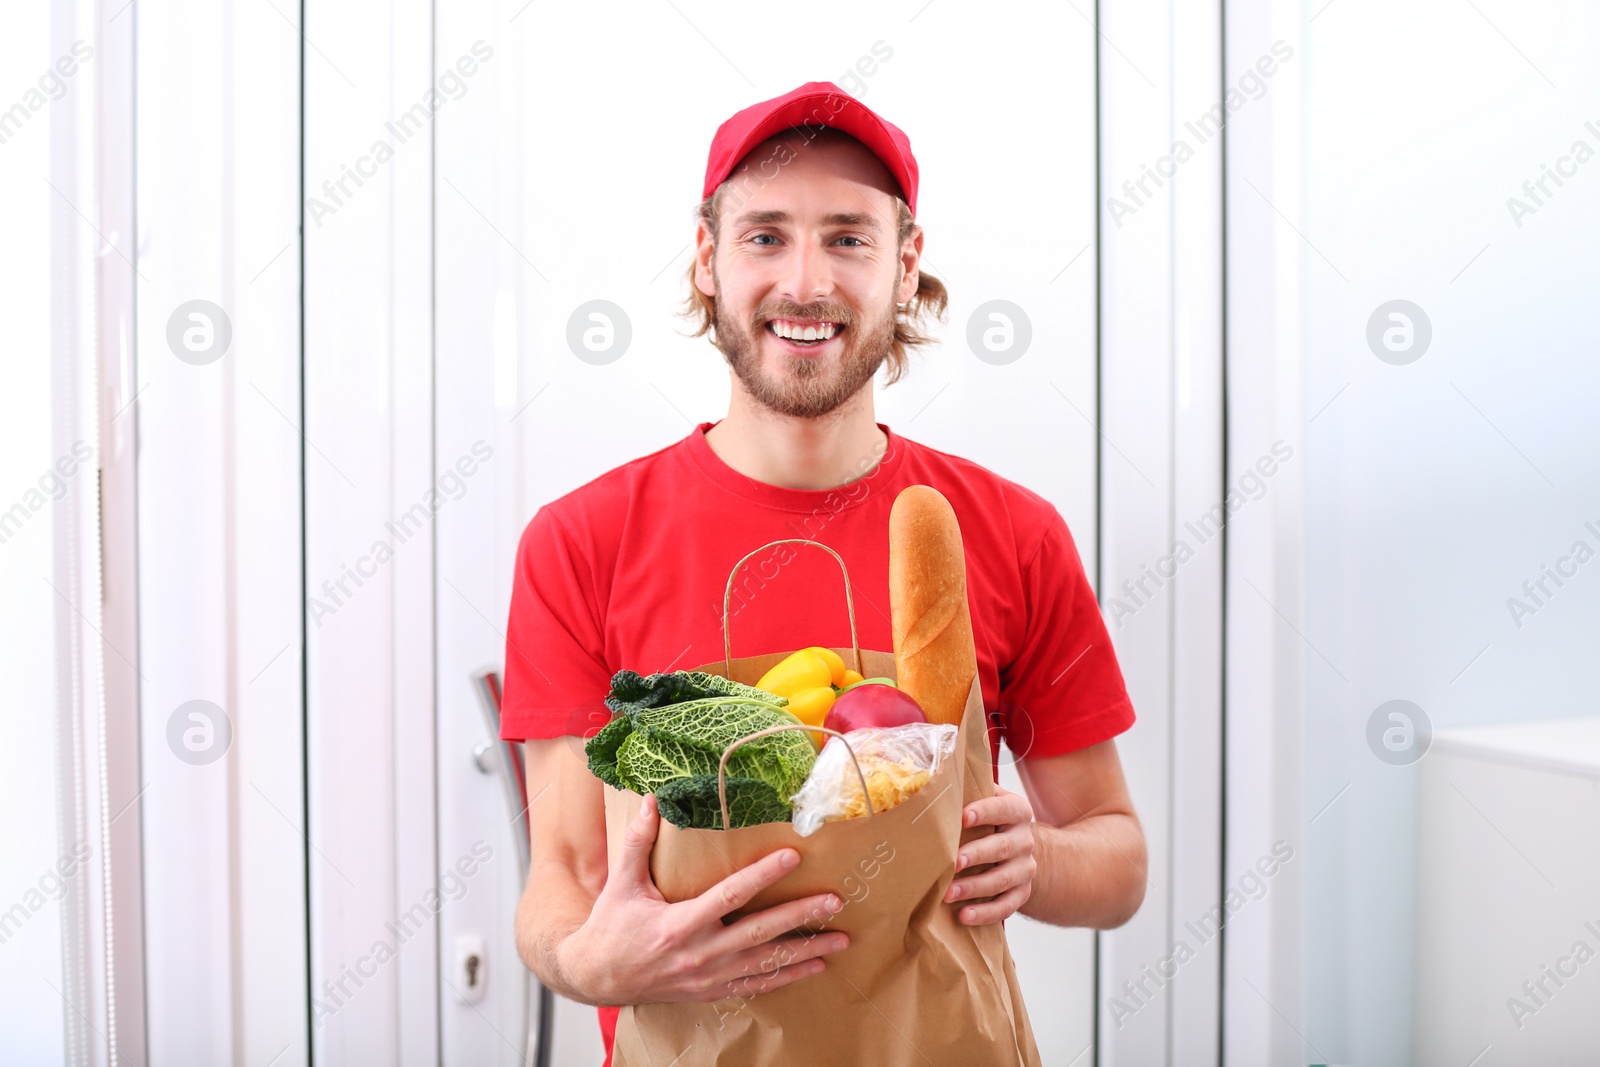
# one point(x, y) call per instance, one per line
point(670, 732)
point(693, 802)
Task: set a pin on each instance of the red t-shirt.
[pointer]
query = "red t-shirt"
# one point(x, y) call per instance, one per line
point(628, 571)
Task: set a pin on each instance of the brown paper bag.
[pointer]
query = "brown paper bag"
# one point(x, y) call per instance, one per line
point(915, 986)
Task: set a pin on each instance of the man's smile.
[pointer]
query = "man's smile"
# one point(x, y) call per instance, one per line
point(804, 336)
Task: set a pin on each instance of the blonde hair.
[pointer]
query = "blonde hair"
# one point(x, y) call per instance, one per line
point(931, 297)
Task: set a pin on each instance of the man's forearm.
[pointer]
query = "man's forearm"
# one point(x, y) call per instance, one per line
point(544, 922)
point(1091, 872)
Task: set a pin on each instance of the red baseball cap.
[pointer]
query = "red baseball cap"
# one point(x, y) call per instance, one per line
point(813, 104)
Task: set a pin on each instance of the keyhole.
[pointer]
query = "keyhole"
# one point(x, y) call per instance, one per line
point(472, 972)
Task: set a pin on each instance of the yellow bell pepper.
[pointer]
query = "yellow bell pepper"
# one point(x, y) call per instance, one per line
point(811, 706)
point(801, 670)
point(836, 668)
point(850, 678)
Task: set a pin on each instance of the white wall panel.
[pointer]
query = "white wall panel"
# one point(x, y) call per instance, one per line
point(32, 978)
point(1161, 474)
point(218, 535)
point(1202, 81)
point(1439, 483)
point(483, 201)
point(1267, 655)
point(123, 894)
point(369, 483)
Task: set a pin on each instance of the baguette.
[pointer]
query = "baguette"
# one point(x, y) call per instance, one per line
point(934, 657)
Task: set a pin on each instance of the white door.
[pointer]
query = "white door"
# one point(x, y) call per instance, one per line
point(568, 172)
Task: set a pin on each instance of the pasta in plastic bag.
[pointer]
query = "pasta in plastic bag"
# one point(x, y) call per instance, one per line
point(896, 760)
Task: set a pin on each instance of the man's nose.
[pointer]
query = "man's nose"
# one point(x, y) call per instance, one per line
point(808, 276)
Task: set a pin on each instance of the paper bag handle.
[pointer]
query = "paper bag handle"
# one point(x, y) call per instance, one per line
point(722, 767)
point(727, 600)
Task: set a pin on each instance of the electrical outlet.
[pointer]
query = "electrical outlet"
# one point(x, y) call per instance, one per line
point(470, 975)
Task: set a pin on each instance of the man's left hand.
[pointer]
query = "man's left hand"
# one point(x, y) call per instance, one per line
point(1003, 888)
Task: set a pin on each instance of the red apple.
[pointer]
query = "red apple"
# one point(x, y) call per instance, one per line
point(872, 705)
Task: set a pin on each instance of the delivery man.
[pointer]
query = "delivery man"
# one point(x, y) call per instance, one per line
point(806, 274)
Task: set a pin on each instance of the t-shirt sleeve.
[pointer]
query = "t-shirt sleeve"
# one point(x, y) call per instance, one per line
point(1064, 690)
point(556, 678)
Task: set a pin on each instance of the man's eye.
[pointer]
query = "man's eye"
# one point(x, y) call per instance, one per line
point(759, 236)
point(857, 240)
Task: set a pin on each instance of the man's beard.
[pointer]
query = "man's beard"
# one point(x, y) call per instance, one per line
point(806, 387)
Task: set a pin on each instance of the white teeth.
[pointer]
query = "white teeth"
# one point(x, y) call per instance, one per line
point(809, 333)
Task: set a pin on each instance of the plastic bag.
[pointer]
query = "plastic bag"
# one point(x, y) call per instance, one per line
point(897, 761)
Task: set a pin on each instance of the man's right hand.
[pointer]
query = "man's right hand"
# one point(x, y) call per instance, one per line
point(635, 948)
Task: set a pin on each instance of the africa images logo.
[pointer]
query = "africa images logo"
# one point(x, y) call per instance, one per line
point(1252, 485)
point(452, 485)
point(1251, 85)
point(452, 85)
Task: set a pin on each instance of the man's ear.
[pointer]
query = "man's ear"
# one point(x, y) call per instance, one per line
point(910, 257)
point(704, 249)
